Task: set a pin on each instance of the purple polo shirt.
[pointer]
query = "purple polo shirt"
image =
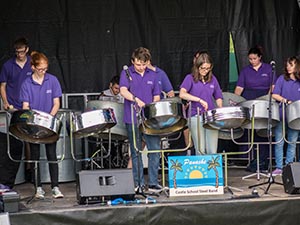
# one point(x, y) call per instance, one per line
point(144, 87)
point(13, 75)
point(289, 89)
point(163, 80)
point(40, 97)
point(255, 83)
point(206, 91)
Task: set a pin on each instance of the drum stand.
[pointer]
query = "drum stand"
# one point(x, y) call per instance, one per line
point(271, 179)
point(36, 162)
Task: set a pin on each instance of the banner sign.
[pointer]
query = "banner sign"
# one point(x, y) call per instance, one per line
point(195, 175)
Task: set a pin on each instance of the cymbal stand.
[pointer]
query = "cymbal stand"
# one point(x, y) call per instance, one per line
point(36, 162)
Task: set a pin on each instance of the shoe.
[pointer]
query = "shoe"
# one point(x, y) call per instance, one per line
point(277, 172)
point(56, 193)
point(142, 188)
point(40, 193)
point(155, 188)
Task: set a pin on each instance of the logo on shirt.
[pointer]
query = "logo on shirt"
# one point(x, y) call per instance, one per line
point(212, 86)
point(149, 82)
point(28, 73)
point(264, 74)
point(49, 91)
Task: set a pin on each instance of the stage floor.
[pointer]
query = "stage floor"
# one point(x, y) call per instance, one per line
point(237, 203)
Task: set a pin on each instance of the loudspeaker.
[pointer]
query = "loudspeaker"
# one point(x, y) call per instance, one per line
point(291, 178)
point(95, 186)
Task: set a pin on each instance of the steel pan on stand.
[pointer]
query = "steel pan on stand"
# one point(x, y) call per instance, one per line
point(261, 113)
point(93, 122)
point(231, 99)
point(163, 118)
point(68, 167)
point(118, 132)
point(35, 126)
point(226, 117)
point(293, 116)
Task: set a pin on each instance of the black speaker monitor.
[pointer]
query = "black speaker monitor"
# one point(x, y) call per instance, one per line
point(291, 178)
point(94, 186)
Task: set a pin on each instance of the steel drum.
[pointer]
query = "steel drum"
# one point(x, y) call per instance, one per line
point(226, 117)
point(230, 99)
point(293, 116)
point(35, 126)
point(118, 132)
point(93, 122)
point(261, 113)
point(164, 117)
point(162, 114)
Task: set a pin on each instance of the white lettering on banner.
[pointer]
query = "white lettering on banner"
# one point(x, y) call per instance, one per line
point(194, 162)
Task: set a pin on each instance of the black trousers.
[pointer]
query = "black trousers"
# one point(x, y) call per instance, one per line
point(51, 156)
point(9, 168)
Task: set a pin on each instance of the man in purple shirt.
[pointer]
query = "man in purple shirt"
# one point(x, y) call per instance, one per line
point(13, 73)
point(164, 82)
point(139, 86)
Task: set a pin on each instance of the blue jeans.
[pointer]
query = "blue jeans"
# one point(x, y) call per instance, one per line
point(153, 143)
point(292, 136)
point(208, 138)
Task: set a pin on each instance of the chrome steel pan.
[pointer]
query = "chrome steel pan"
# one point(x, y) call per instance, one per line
point(35, 126)
point(118, 132)
point(293, 115)
point(261, 113)
point(162, 114)
point(93, 122)
point(225, 134)
point(226, 117)
point(230, 99)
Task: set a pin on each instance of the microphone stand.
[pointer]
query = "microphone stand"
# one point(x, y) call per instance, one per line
point(271, 179)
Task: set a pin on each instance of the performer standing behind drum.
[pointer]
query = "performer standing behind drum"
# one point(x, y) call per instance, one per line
point(255, 81)
point(41, 91)
point(201, 88)
point(139, 86)
point(113, 92)
point(13, 73)
point(286, 91)
point(164, 82)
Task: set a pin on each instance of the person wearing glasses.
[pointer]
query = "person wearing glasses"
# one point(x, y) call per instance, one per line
point(201, 88)
point(14, 71)
point(42, 91)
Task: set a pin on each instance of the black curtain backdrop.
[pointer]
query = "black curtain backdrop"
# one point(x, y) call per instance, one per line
point(89, 41)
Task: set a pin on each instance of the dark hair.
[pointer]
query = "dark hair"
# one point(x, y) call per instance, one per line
point(37, 58)
point(142, 54)
point(115, 80)
point(203, 57)
point(257, 50)
point(296, 61)
point(21, 42)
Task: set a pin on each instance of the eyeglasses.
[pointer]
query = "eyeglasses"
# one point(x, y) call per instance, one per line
point(40, 70)
point(18, 52)
point(205, 68)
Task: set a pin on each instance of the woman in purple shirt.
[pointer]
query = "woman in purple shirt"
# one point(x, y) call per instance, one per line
point(41, 91)
point(201, 88)
point(286, 91)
